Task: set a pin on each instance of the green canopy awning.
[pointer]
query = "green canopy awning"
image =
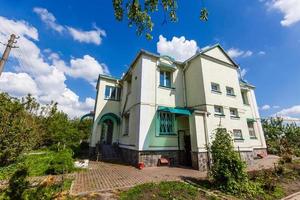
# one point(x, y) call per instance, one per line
point(110, 116)
point(251, 120)
point(179, 111)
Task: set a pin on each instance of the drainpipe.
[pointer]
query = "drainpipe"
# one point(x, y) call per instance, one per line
point(184, 86)
point(207, 140)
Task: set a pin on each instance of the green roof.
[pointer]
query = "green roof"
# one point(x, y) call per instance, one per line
point(176, 110)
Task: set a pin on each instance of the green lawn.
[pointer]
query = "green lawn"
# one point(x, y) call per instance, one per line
point(161, 191)
point(38, 164)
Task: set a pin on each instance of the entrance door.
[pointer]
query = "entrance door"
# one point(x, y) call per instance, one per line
point(110, 129)
point(187, 149)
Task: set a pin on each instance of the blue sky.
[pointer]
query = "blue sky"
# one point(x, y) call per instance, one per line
point(263, 36)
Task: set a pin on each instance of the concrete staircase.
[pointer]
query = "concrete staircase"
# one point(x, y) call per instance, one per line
point(109, 153)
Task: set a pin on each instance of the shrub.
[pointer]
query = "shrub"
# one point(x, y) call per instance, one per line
point(228, 171)
point(62, 162)
point(18, 183)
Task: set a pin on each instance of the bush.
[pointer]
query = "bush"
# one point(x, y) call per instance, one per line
point(228, 171)
point(62, 162)
point(18, 183)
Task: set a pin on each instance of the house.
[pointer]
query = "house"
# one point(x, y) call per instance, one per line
point(162, 108)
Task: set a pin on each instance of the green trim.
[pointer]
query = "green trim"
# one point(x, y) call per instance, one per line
point(91, 114)
point(111, 116)
point(251, 120)
point(108, 77)
point(176, 110)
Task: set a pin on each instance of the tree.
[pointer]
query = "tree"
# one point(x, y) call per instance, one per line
point(26, 125)
point(282, 139)
point(139, 13)
point(228, 171)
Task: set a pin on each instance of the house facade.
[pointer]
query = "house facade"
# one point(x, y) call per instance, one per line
point(164, 108)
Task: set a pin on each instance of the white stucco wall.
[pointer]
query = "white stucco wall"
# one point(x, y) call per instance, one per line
point(225, 75)
point(104, 106)
point(146, 95)
point(152, 96)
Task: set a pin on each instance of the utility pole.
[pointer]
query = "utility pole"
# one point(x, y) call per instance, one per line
point(5, 55)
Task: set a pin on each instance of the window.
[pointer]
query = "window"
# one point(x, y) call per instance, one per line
point(237, 134)
point(166, 123)
point(234, 113)
point(219, 110)
point(230, 91)
point(251, 130)
point(245, 97)
point(165, 79)
point(215, 87)
point(126, 124)
point(112, 93)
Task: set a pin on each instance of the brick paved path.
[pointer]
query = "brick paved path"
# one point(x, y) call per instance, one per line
point(106, 176)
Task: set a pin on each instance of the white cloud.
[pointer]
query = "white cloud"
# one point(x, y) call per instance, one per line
point(235, 53)
point(290, 112)
point(266, 107)
point(289, 8)
point(42, 73)
point(49, 19)
point(276, 107)
point(87, 68)
point(243, 72)
point(17, 84)
point(93, 36)
point(178, 48)
point(261, 53)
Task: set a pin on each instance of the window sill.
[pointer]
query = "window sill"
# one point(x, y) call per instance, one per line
point(253, 138)
point(231, 95)
point(239, 139)
point(219, 115)
point(216, 92)
point(166, 87)
point(125, 134)
point(167, 134)
point(246, 104)
point(234, 117)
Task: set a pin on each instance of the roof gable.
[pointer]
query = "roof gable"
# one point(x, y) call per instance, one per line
point(218, 53)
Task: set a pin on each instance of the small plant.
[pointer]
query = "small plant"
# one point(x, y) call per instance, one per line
point(18, 183)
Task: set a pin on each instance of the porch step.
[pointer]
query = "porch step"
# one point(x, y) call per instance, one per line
point(109, 152)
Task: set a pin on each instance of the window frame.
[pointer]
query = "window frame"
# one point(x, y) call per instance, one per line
point(117, 95)
point(245, 97)
point(172, 117)
point(249, 129)
point(163, 74)
point(230, 94)
point(218, 88)
point(236, 116)
point(219, 113)
point(241, 138)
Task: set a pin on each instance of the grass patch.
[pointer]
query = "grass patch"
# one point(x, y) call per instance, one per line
point(160, 191)
point(38, 164)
